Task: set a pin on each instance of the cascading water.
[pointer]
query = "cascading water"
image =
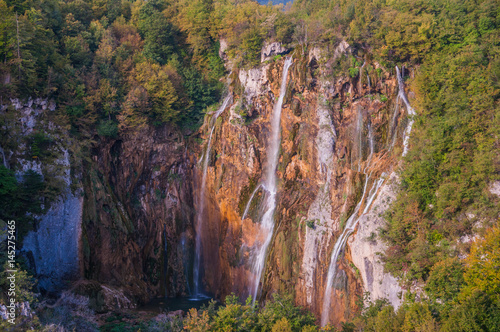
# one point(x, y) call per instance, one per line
point(267, 222)
point(185, 260)
point(360, 86)
point(247, 207)
point(354, 218)
point(341, 241)
point(5, 164)
point(201, 202)
point(409, 109)
point(393, 127)
point(165, 257)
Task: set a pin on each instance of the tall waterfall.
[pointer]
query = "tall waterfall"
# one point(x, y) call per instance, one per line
point(354, 218)
point(201, 201)
point(258, 258)
point(320, 211)
point(341, 241)
point(165, 259)
point(409, 109)
point(185, 260)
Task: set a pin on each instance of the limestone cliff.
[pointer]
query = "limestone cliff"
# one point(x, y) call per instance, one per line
point(138, 210)
point(132, 216)
point(33, 141)
point(121, 217)
point(337, 133)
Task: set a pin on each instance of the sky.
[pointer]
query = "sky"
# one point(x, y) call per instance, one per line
point(275, 2)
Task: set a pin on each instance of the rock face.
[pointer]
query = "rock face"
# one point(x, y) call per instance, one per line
point(365, 248)
point(336, 132)
point(141, 192)
point(138, 214)
point(53, 247)
point(123, 217)
point(271, 49)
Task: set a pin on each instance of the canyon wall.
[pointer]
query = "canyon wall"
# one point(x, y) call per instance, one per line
point(33, 142)
point(129, 222)
point(138, 214)
point(338, 135)
point(121, 217)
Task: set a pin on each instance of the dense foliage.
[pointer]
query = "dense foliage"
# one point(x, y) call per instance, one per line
point(113, 66)
point(462, 296)
point(280, 314)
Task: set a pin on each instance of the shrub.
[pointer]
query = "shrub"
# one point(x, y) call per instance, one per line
point(107, 128)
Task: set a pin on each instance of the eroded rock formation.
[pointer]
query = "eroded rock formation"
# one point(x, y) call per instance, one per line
point(140, 193)
point(335, 131)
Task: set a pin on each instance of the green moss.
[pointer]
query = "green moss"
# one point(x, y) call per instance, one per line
point(245, 193)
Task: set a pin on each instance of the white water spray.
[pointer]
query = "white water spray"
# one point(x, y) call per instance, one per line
point(354, 218)
point(250, 201)
point(360, 85)
point(201, 201)
point(341, 241)
point(258, 258)
point(410, 110)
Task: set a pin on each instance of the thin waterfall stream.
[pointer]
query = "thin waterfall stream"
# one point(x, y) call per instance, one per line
point(258, 255)
point(409, 109)
point(197, 293)
point(354, 218)
point(247, 207)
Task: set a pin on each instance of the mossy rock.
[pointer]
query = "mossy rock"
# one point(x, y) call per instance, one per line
point(92, 290)
point(102, 298)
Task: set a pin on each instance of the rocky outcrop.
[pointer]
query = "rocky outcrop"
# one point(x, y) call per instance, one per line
point(366, 248)
point(138, 210)
point(52, 248)
point(271, 49)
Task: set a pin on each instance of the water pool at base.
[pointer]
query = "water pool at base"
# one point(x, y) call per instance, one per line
point(160, 305)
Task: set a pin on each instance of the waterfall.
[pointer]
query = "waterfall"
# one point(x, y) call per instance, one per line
point(393, 128)
point(258, 258)
point(360, 85)
point(185, 260)
point(341, 241)
point(370, 141)
point(247, 207)
point(369, 83)
point(410, 110)
point(353, 219)
point(5, 164)
point(201, 200)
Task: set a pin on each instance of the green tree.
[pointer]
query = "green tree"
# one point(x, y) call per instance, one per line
point(159, 34)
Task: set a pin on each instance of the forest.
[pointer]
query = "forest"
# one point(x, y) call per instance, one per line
point(114, 67)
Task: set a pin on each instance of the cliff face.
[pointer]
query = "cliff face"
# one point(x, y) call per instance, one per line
point(338, 135)
point(133, 221)
point(122, 218)
point(137, 221)
point(33, 141)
